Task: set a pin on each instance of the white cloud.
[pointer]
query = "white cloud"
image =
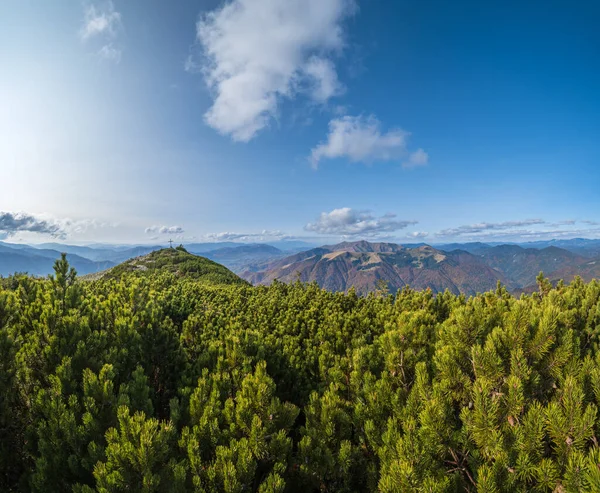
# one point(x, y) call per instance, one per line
point(418, 234)
point(360, 139)
point(323, 78)
point(526, 229)
point(12, 223)
point(256, 52)
point(417, 158)
point(100, 20)
point(478, 228)
point(233, 236)
point(165, 230)
point(348, 222)
point(110, 53)
point(103, 22)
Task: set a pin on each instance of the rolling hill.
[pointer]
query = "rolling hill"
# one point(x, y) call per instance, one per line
point(176, 261)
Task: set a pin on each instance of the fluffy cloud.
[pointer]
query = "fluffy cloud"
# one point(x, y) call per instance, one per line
point(348, 222)
point(13, 223)
point(256, 52)
point(323, 79)
point(360, 139)
point(103, 22)
point(165, 230)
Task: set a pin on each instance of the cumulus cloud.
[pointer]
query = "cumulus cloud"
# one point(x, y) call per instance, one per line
point(102, 22)
point(361, 139)
point(257, 52)
point(349, 222)
point(165, 230)
point(323, 79)
point(13, 223)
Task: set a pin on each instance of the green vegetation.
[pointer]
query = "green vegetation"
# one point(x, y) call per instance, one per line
point(155, 380)
point(177, 261)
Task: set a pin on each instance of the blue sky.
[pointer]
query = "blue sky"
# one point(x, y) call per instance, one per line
point(254, 120)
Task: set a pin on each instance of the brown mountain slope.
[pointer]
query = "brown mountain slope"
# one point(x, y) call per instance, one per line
point(362, 265)
point(522, 265)
point(588, 270)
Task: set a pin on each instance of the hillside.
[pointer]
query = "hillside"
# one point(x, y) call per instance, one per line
point(587, 271)
point(364, 265)
point(175, 261)
point(522, 265)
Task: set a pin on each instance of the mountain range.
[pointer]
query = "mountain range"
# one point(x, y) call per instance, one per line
point(364, 265)
point(459, 267)
point(476, 268)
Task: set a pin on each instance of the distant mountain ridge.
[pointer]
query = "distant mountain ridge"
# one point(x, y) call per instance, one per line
point(245, 257)
point(467, 267)
point(476, 268)
point(38, 259)
point(40, 262)
point(522, 265)
point(364, 265)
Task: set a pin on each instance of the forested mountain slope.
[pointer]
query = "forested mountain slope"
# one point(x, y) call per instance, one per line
point(154, 381)
point(522, 265)
point(587, 271)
